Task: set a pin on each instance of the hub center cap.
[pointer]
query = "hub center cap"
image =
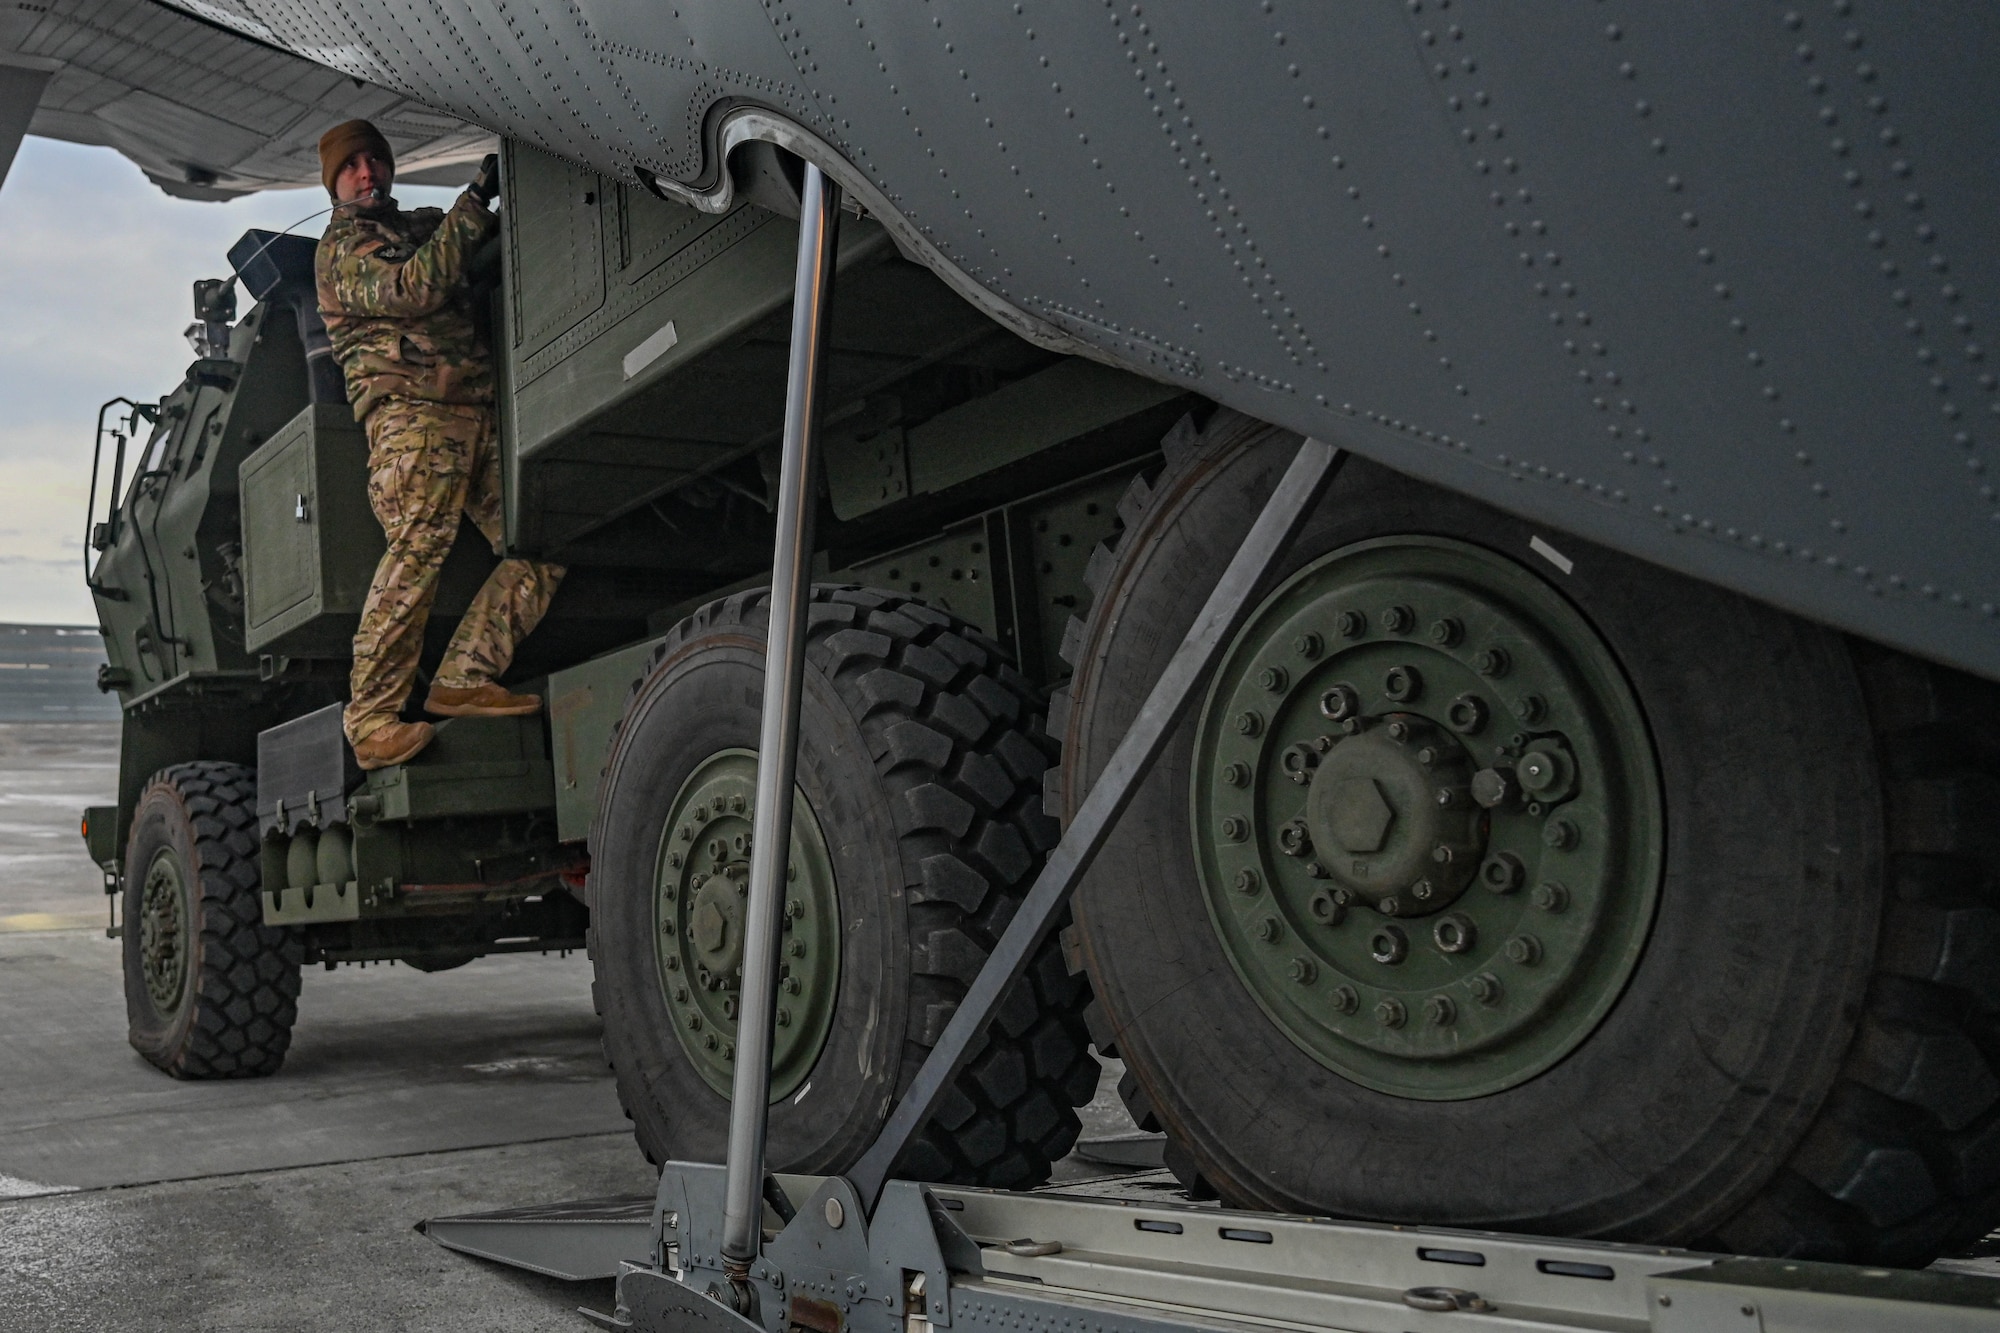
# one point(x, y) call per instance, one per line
point(1391, 816)
point(715, 921)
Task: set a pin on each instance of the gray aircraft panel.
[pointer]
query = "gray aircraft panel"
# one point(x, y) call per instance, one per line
point(204, 105)
point(1708, 282)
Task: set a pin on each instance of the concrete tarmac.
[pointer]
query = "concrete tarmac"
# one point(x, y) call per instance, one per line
point(131, 1201)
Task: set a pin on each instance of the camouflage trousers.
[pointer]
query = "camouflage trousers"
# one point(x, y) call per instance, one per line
point(427, 464)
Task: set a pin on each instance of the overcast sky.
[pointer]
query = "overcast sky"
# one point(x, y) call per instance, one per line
point(96, 270)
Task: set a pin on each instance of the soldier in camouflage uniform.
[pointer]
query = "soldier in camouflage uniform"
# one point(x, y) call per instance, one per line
point(393, 293)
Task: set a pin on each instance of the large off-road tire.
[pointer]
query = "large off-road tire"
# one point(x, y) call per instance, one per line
point(1784, 1041)
point(210, 990)
point(918, 827)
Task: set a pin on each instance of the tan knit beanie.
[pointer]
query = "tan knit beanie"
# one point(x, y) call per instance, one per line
point(344, 141)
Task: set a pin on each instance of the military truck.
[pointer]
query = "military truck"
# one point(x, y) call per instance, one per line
point(1503, 878)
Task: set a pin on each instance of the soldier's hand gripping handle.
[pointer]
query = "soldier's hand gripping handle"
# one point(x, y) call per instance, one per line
point(487, 183)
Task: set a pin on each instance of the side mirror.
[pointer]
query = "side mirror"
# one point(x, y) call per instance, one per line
point(214, 313)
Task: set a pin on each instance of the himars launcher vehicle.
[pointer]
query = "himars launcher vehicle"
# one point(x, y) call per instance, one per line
point(1591, 828)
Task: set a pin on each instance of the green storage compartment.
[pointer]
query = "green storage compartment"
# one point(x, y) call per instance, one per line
point(311, 542)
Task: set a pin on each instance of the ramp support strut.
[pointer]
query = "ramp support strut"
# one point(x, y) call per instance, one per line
point(778, 737)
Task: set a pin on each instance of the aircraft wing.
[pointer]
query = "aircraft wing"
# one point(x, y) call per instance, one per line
point(201, 98)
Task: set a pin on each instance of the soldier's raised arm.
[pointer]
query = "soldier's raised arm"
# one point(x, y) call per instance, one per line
point(366, 284)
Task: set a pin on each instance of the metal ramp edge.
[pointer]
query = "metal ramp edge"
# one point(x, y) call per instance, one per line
point(576, 1241)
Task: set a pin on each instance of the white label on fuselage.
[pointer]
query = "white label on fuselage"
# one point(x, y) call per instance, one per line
point(651, 350)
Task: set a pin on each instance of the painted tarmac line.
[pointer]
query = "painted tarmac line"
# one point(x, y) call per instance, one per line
point(30, 922)
point(31, 1190)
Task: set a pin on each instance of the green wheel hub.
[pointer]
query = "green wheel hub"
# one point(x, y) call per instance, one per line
point(1427, 817)
point(699, 885)
point(163, 932)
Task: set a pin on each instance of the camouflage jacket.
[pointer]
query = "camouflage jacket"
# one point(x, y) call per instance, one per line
point(393, 294)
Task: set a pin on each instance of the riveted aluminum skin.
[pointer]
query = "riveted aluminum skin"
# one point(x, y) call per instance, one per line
point(1709, 283)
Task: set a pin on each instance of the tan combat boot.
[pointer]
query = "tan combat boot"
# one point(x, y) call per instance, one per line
point(487, 700)
point(393, 743)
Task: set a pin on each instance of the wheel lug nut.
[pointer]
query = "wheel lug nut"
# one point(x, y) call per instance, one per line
point(1427, 756)
point(1236, 775)
point(1467, 714)
point(729, 1007)
point(680, 994)
point(1530, 708)
point(1303, 971)
point(1340, 703)
point(1274, 679)
point(1315, 870)
point(1486, 988)
point(1389, 945)
point(1502, 872)
point(1250, 722)
point(1248, 881)
point(694, 1022)
point(1268, 930)
point(1235, 828)
point(1328, 907)
point(1391, 1014)
point(1309, 645)
point(791, 985)
point(729, 1050)
point(1403, 683)
point(797, 948)
point(1422, 890)
point(1390, 906)
point(1345, 1000)
point(1493, 787)
point(673, 860)
point(710, 1041)
point(1441, 1011)
point(1551, 896)
point(1525, 950)
point(1491, 662)
point(1399, 731)
point(1352, 624)
point(1446, 632)
point(1293, 839)
point(1299, 761)
point(784, 1017)
point(1560, 834)
point(1454, 932)
point(1398, 619)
